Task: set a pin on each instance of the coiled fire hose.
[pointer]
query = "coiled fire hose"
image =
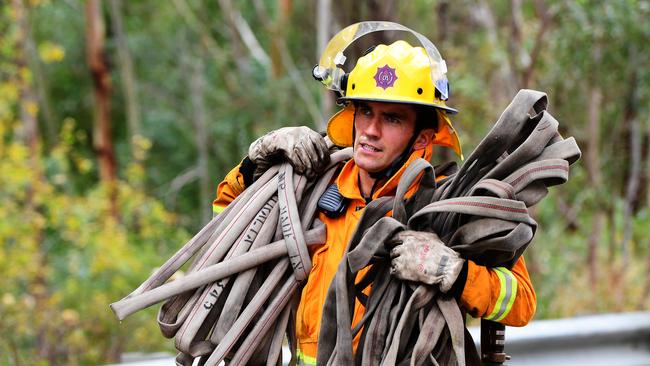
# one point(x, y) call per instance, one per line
point(481, 211)
point(239, 288)
point(236, 300)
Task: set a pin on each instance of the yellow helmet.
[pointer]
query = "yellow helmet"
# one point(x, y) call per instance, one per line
point(396, 73)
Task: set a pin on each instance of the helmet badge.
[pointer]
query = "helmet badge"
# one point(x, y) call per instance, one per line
point(385, 77)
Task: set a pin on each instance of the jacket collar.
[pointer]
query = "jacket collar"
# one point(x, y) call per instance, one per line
point(348, 179)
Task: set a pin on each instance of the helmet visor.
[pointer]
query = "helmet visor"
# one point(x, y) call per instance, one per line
point(328, 70)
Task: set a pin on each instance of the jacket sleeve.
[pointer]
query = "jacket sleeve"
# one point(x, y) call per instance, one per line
point(500, 294)
point(231, 186)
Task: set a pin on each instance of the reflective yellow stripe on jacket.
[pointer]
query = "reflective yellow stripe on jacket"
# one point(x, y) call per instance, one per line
point(216, 209)
point(507, 294)
point(304, 360)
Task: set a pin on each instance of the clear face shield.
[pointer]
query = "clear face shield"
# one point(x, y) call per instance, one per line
point(329, 71)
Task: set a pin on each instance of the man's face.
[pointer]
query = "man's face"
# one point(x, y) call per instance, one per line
point(382, 132)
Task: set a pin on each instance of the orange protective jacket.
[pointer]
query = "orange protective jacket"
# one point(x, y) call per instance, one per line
point(499, 294)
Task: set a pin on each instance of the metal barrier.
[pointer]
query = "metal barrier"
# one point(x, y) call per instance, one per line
point(606, 339)
point(621, 339)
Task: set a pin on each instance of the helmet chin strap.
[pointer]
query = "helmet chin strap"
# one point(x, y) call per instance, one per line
point(398, 162)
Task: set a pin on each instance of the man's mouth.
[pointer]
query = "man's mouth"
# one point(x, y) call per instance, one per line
point(370, 148)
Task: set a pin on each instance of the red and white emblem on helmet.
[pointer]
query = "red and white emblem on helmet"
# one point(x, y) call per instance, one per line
point(385, 77)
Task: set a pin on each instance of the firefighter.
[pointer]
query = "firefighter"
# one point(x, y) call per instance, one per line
point(394, 111)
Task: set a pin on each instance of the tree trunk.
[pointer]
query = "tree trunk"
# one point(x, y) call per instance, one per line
point(323, 34)
point(30, 135)
point(235, 42)
point(129, 84)
point(644, 194)
point(502, 84)
point(443, 24)
point(545, 16)
point(641, 305)
point(99, 70)
point(280, 53)
point(381, 9)
point(277, 28)
point(197, 90)
point(593, 165)
point(442, 15)
point(631, 120)
point(49, 134)
point(515, 50)
point(28, 101)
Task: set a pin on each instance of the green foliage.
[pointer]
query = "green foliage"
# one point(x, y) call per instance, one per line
point(66, 256)
point(562, 279)
point(596, 45)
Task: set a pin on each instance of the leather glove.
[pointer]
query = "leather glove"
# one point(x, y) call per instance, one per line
point(422, 257)
point(304, 148)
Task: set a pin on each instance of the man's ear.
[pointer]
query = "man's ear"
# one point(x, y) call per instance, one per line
point(424, 138)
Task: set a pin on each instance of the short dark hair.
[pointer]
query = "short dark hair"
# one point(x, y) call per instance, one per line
point(426, 117)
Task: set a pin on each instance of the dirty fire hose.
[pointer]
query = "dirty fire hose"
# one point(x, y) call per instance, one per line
point(239, 288)
point(480, 211)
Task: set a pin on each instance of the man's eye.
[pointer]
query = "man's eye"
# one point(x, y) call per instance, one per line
point(392, 119)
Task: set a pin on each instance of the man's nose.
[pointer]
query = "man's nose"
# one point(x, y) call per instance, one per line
point(373, 127)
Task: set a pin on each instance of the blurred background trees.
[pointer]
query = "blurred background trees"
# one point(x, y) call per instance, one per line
point(118, 119)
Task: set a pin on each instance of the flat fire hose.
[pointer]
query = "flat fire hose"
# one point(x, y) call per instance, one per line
point(481, 211)
point(235, 303)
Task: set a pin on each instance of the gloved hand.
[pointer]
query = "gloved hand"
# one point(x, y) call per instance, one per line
point(305, 149)
point(422, 257)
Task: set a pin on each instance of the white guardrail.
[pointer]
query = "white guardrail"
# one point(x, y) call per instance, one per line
point(608, 339)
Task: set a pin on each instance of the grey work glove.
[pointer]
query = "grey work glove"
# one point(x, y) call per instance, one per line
point(303, 147)
point(422, 257)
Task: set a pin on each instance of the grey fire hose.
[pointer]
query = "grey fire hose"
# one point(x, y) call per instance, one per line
point(481, 211)
point(237, 299)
